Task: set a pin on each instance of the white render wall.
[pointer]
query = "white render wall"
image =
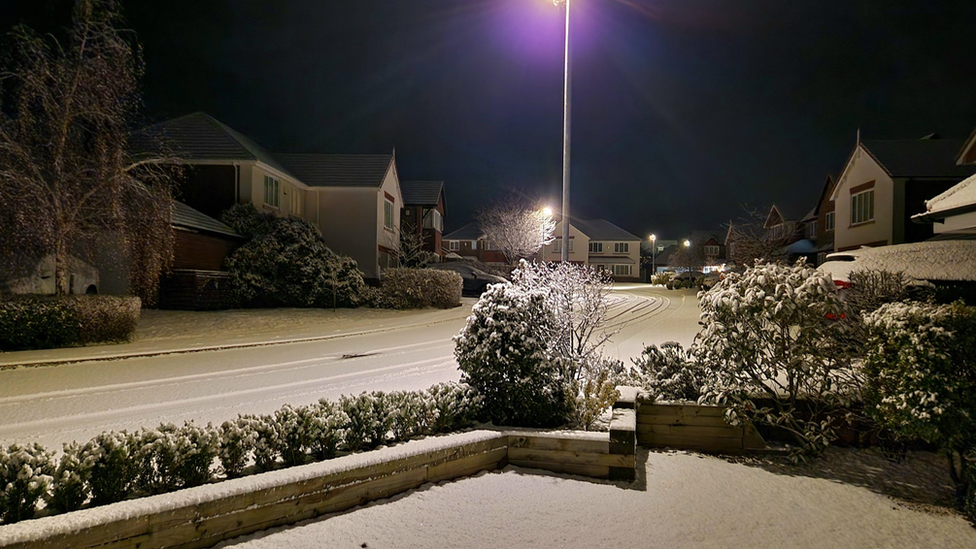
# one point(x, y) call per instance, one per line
point(863, 169)
point(962, 223)
point(581, 244)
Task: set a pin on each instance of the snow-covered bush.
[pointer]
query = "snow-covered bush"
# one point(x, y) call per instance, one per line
point(921, 380)
point(766, 334)
point(872, 288)
point(369, 420)
point(457, 405)
point(113, 468)
point(669, 372)
point(503, 353)
point(296, 433)
point(413, 414)
point(287, 264)
point(594, 393)
point(236, 443)
point(404, 288)
point(329, 423)
point(69, 489)
point(267, 442)
point(25, 473)
point(38, 322)
point(172, 457)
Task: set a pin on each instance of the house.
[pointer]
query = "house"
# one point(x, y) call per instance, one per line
point(823, 225)
point(600, 244)
point(424, 208)
point(885, 182)
point(469, 242)
point(953, 213)
point(704, 251)
point(354, 200)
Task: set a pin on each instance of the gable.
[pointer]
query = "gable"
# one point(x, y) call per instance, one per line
point(967, 155)
point(858, 158)
point(774, 218)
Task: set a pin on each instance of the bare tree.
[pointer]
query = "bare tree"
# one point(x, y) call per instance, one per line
point(409, 250)
point(749, 239)
point(517, 228)
point(689, 258)
point(68, 181)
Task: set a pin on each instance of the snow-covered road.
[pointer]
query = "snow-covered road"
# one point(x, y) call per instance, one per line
point(55, 404)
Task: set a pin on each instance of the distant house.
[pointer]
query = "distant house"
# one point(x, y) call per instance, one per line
point(354, 200)
point(601, 244)
point(822, 228)
point(885, 182)
point(424, 209)
point(469, 242)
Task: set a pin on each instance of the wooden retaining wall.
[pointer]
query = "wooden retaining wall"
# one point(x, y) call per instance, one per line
point(693, 427)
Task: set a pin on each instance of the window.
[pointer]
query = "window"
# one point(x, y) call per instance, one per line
point(388, 214)
point(829, 221)
point(272, 191)
point(812, 229)
point(862, 207)
point(621, 247)
point(557, 245)
point(596, 247)
point(621, 270)
point(297, 202)
point(433, 220)
point(454, 245)
point(711, 251)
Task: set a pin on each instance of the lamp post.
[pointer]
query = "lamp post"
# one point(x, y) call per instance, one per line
point(653, 255)
point(687, 244)
point(567, 88)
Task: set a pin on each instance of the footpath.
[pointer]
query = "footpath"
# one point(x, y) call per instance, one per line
point(170, 332)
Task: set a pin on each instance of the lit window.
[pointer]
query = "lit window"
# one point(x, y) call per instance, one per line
point(621, 247)
point(596, 247)
point(388, 214)
point(829, 221)
point(862, 207)
point(271, 191)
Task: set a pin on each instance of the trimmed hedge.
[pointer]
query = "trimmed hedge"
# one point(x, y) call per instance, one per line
point(115, 465)
point(46, 322)
point(404, 288)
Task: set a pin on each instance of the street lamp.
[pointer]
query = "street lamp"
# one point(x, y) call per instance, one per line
point(567, 81)
point(653, 254)
point(687, 244)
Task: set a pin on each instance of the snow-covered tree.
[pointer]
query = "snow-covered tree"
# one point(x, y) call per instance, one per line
point(68, 175)
point(25, 473)
point(669, 372)
point(770, 343)
point(921, 381)
point(518, 229)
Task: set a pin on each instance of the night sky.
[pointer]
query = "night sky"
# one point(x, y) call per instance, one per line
point(683, 109)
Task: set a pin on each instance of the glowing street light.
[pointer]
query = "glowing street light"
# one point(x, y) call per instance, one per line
point(653, 239)
point(547, 211)
point(567, 88)
point(687, 244)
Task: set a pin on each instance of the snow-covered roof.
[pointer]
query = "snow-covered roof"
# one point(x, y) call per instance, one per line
point(932, 260)
point(961, 196)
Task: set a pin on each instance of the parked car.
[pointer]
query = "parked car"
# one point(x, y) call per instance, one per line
point(474, 280)
point(686, 279)
point(710, 280)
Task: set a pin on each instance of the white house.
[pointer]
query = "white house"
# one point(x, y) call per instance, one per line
point(601, 244)
point(885, 182)
point(953, 212)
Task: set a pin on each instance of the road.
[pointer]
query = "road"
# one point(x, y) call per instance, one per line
point(56, 404)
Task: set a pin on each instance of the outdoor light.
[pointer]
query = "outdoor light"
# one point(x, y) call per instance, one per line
point(687, 243)
point(653, 255)
point(547, 211)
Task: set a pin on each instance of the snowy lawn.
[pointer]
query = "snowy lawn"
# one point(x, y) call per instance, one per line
point(850, 498)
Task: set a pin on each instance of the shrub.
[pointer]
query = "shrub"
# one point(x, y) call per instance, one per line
point(872, 288)
point(296, 433)
point(404, 288)
point(44, 322)
point(69, 489)
point(287, 264)
point(25, 473)
point(594, 393)
point(921, 381)
point(766, 334)
point(113, 468)
point(456, 405)
point(669, 372)
point(502, 352)
point(172, 457)
point(329, 429)
point(370, 420)
point(236, 441)
point(267, 442)
point(413, 414)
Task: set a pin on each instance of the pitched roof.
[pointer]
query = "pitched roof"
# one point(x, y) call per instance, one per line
point(421, 193)
point(960, 198)
point(967, 146)
point(918, 157)
point(199, 136)
point(338, 170)
point(471, 231)
point(601, 229)
point(185, 216)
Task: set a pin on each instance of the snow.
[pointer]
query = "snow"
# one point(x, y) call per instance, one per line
point(681, 500)
point(935, 260)
point(46, 527)
point(958, 196)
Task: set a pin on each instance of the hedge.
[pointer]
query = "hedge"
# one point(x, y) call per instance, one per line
point(404, 288)
point(45, 322)
point(116, 465)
